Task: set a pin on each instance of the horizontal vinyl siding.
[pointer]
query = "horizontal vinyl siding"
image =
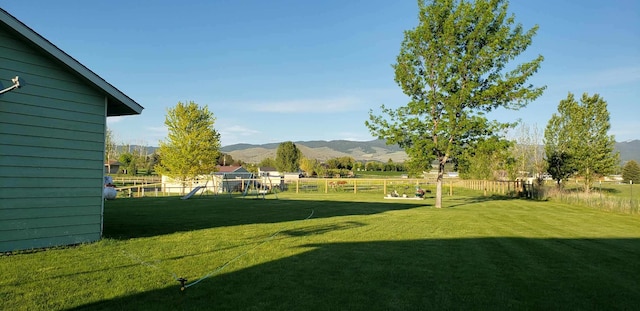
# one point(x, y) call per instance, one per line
point(44, 130)
point(74, 236)
point(51, 152)
point(39, 203)
point(14, 226)
point(75, 189)
point(43, 211)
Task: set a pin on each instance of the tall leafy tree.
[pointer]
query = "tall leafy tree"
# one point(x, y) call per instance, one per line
point(390, 166)
point(631, 172)
point(345, 163)
point(577, 139)
point(455, 66)
point(528, 151)
point(594, 150)
point(267, 162)
point(559, 166)
point(373, 166)
point(309, 166)
point(288, 157)
point(557, 145)
point(152, 161)
point(192, 146)
point(110, 148)
point(484, 159)
point(128, 163)
point(225, 159)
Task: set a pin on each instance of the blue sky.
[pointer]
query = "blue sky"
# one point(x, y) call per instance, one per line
point(286, 70)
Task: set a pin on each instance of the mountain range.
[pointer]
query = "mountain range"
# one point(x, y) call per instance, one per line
point(374, 150)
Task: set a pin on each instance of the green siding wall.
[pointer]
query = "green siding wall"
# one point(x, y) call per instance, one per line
point(51, 152)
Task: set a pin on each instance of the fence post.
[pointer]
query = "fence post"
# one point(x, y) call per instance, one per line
point(509, 187)
point(484, 182)
point(384, 186)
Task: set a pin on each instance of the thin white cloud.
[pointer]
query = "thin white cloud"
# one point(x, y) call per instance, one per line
point(355, 136)
point(114, 120)
point(238, 134)
point(157, 129)
point(237, 130)
point(153, 134)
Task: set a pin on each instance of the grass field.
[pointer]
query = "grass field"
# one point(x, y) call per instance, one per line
point(337, 252)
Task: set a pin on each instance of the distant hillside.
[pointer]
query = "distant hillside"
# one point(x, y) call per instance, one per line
point(629, 150)
point(374, 150)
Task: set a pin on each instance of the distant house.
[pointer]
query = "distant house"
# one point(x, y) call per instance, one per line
point(231, 178)
point(52, 142)
point(292, 176)
point(232, 172)
point(225, 179)
point(112, 167)
point(170, 185)
point(265, 171)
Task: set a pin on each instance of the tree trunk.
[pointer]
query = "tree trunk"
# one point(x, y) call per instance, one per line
point(439, 185)
point(587, 181)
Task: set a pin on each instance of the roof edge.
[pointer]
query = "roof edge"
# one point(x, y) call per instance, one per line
point(69, 61)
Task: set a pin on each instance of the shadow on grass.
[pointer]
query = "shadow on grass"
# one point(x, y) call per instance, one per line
point(146, 217)
point(320, 229)
point(427, 274)
point(461, 201)
point(607, 190)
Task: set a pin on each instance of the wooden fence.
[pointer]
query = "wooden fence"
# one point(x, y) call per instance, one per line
point(384, 186)
point(499, 187)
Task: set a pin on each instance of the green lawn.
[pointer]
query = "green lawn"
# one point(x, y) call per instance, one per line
point(619, 190)
point(337, 252)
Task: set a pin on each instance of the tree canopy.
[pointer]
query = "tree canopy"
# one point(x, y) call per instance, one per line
point(192, 145)
point(288, 157)
point(486, 159)
point(309, 166)
point(455, 66)
point(631, 172)
point(110, 148)
point(267, 162)
point(577, 140)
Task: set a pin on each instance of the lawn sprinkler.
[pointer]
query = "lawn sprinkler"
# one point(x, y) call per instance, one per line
point(182, 283)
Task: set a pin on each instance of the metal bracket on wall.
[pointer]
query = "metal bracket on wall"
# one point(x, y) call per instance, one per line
point(16, 84)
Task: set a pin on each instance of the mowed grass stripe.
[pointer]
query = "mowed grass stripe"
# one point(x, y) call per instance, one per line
point(357, 252)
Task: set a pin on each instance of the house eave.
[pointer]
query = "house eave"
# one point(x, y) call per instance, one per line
point(118, 103)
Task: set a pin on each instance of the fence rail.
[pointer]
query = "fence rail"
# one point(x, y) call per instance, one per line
point(402, 186)
point(303, 185)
